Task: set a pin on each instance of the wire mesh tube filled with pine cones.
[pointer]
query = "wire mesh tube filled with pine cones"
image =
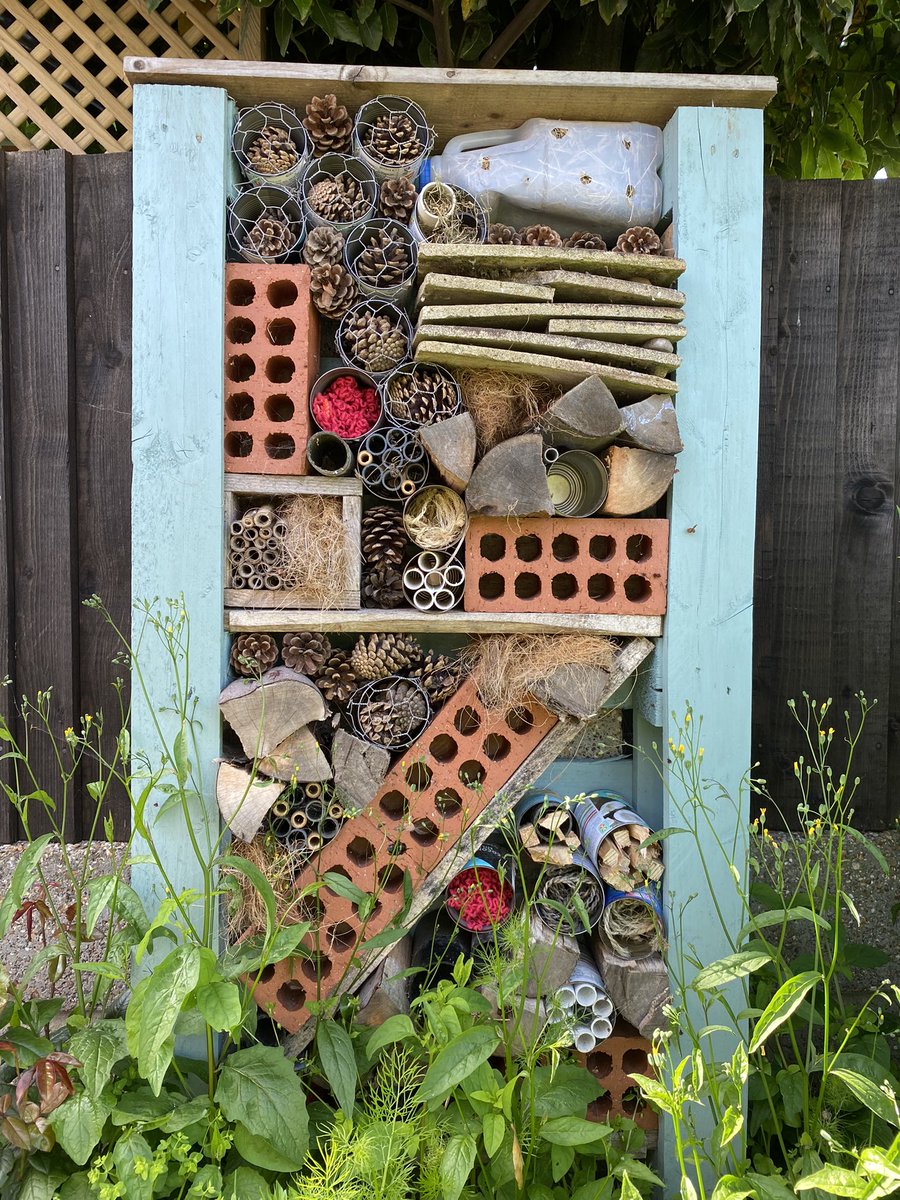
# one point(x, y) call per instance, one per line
point(266, 224)
point(381, 255)
point(270, 144)
point(392, 135)
point(417, 395)
point(338, 191)
point(375, 336)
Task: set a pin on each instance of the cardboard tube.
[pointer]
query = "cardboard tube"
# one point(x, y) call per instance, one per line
point(312, 791)
point(336, 810)
point(444, 600)
point(313, 841)
point(407, 488)
point(298, 819)
point(281, 808)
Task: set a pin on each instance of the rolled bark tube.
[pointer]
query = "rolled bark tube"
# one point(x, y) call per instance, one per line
point(237, 528)
point(328, 454)
point(270, 557)
point(298, 819)
point(313, 841)
point(336, 810)
point(281, 808)
point(328, 829)
point(444, 600)
point(252, 555)
point(312, 791)
point(585, 1041)
point(601, 1028)
point(274, 582)
point(264, 517)
point(315, 810)
point(256, 582)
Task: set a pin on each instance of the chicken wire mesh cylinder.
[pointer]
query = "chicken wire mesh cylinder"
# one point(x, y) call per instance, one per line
point(420, 394)
point(265, 224)
point(270, 144)
point(391, 134)
point(465, 220)
point(390, 712)
point(381, 256)
point(338, 191)
point(392, 463)
point(374, 336)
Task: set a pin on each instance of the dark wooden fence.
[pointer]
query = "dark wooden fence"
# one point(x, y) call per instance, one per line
point(828, 585)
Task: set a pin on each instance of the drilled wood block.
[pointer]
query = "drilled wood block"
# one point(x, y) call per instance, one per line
point(271, 361)
point(566, 565)
point(623, 1054)
point(425, 805)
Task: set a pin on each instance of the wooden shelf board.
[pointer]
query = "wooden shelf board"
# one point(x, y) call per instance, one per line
point(408, 620)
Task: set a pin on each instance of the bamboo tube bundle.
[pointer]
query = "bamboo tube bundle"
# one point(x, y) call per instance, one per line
point(615, 837)
point(256, 549)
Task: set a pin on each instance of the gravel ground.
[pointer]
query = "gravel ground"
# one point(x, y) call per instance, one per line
point(16, 951)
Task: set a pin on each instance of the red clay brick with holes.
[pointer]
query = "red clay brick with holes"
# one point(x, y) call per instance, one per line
point(271, 362)
point(425, 804)
point(621, 1055)
point(567, 565)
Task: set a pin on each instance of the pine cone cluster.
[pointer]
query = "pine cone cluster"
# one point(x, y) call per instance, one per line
point(323, 245)
point(382, 587)
point(539, 235)
point(384, 262)
point(253, 653)
point(336, 678)
point(382, 654)
point(271, 237)
point(305, 652)
point(339, 198)
point(438, 675)
point(394, 715)
point(332, 289)
point(585, 241)
point(640, 239)
point(503, 235)
point(329, 125)
point(397, 199)
point(272, 152)
point(422, 396)
point(383, 536)
point(393, 138)
point(373, 340)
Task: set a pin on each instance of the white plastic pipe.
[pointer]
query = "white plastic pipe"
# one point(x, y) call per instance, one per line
point(566, 997)
point(603, 1006)
point(601, 1028)
point(585, 1041)
point(585, 994)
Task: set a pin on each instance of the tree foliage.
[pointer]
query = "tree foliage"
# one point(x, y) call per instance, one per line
point(837, 112)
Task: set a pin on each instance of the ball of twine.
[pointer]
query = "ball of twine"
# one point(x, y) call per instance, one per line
point(435, 518)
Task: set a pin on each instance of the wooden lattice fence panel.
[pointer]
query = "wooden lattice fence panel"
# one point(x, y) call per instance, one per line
point(62, 80)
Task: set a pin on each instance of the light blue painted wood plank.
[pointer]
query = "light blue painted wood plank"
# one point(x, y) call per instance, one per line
point(180, 177)
point(573, 776)
point(713, 182)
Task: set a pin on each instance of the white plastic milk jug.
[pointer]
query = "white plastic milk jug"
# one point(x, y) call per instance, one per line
point(593, 175)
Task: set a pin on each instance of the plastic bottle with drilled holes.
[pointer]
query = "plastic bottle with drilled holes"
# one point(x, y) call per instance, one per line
point(572, 175)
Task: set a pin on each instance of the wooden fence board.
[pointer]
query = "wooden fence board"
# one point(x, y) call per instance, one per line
point(7, 595)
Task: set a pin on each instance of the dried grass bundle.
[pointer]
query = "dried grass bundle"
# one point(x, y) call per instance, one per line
point(316, 552)
point(506, 667)
point(247, 917)
point(435, 518)
point(503, 405)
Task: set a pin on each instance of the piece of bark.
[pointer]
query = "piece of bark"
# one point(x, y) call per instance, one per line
point(586, 417)
point(637, 479)
point(550, 959)
point(299, 757)
point(263, 712)
point(638, 988)
point(511, 480)
point(451, 447)
point(652, 424)
point(579, 691)
point(386, 992)
point(359, 769)
point(244, 800)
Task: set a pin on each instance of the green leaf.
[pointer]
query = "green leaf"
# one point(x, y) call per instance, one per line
point(493, 1129)
point(336, 1054)
point(78, 1125)
point(22, 879)
point(783, 1005)
point(869, 1082)
point(133, 1157)
point(394, 1029)
point(389, 23)
point(770, 1187)
point(259, 1088)
point(77, 1187)
point(244, 1184)
point(28, 1046)
point(100, 893)
point(561, 1160)
point(730, 1187)
point(834, 1181)
point(456, 1165)
point(781, 916)
point(219, 1003)
point(687, 1192)
point(731, 1125)
point(255, 876)
point(169, 985)
point(387, 937)
point(259, 1152)
point(341, 886)
point(860, 837)
point(629, 1191)
point(567, 1091)
point(98, 1048)
point(42, 1180)
point(734, 966)
point(573, 1131)
point(180, 754)
point(458, 1059)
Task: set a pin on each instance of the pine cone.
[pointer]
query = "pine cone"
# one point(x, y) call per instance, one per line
point(539, 235)
point(383, 536)
point(397, 198)
point(385, 262)
point(271, 237)
point(585, 241)
point(393, 139)
point(382, 587)
point(332, 289)
point(338, 198)
point(384, 654)
point(422, 397)
point(305, 652)
point(328, 124)
point(395, 715)
point(323, 245)
point(272, 152)
point(640, 239)
point(374, 340)
point(337, 679)
point(253, 653)
point(438, 675)
point(503, 235)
